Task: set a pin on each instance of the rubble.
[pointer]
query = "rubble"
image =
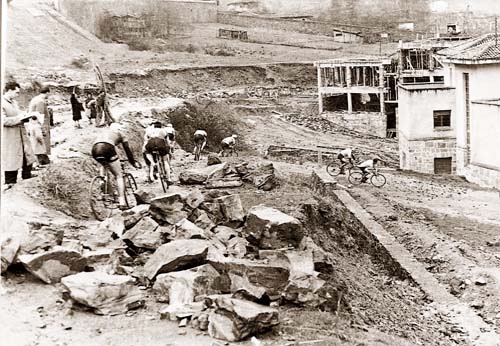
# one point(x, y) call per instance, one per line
point(144, 235)
point(182, 287)
point(53, 265)
point(132, 216)
point(112, 227)
point(213, 159)
point(42, 239)
point(262, 177)
point(236, 319)
point(269, 228)
point(185, 229)
point(237, 247)
point(9, 249)
point(223, 184)
point(232, 210)
point(201, 175)
point(176, 255)
point(225, 234)
point(106, 294)
point(143, 196)
point(203, 220)
point(169, 208)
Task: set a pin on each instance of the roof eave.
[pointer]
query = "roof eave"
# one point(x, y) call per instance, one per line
point(460, 61)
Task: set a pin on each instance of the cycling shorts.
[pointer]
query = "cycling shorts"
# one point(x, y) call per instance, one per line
point(171, 137)
point(340, 156)
point(104, 152)
point(157, 144)
point(199, 138)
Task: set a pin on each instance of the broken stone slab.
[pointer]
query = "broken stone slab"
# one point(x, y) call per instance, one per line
point(312, 292)
point(298, 262)
point(214, 211)
point(182, 287)
point(263, 177)
point(143, 196)
point(213, 159)
point(97, 256)
point(8, 251)
point(223, 184)
point(132, 216)
point(232, 210)
point(238, 247)
point(225, 234)
point(144, 235)
point(194, 199)
point(175, 312)
point(185, 229)
point(176, 255)
point(203, 220)
point(271, 277)
point(169, 208)
point(323, 262)
point(55, 264)
point(201, 175)
point(106, 294)
point(112, 227)
point(42, 239)
point(72, 244)
point(236, 319)
point(269, 228)
point(244, 289)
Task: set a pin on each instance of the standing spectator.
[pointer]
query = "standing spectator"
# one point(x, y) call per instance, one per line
point(103, 111)
point(91, 105)
point(100, 109)
point(39, 104)
point(16, 149)
point(77, 108)
point(35, 134)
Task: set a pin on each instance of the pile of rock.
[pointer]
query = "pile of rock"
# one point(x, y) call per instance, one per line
point(224, 175)
point(215, 267)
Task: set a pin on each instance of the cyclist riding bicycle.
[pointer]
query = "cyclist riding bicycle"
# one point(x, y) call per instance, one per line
point(345, 157)
point(368, 167)
point(104, 152)
point(171, 136)
point(200, 139)
point(228, 143)
point(156, 140)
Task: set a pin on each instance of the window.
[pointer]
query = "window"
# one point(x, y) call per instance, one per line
point(442, 119)
point(438, 79)
point(442, 165)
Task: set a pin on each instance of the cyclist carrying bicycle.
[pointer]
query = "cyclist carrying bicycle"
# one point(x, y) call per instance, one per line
point(368, 167)
point(156, 140)
point(200, 139)
point(228, 144)
point(104, 152)
point(345, 157)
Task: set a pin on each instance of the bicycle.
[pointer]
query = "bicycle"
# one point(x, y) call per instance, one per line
point(103, 193)
point(161, 169)
point(334, 168)
point(376, 179)
point(228, 151)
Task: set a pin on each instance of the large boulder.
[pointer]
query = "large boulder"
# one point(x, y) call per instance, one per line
point(194, 199)
point(312, 292)
point(238, 247)
point(273, 278)
point(132, 216)
point(143, 196)
point(53, 265)
point(225, 234)
point(112, 227)
point(213, 159)
point(236, 319)
point(322, 260)
point(203, 221)
point(182, 287)
point(144, 235)
point(201, 175)
point(176, 255)
point(263, 177)
point(169, 208)
point(185, 229)
point(8, 252)
point(105, 293)
point(232, 209)
point(42, 239)
point(269, 228)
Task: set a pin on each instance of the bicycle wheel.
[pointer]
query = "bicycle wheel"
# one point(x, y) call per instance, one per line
point(333, 169)
point(378, 180)
point(130, 188)
point(163, 175)
point(100, 198)
point(355, 178)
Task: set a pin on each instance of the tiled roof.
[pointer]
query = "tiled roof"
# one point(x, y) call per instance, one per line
point(480, 48)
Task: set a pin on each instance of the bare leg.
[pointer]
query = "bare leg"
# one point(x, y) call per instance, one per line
point(116, 170)
point(166, 164)
point(203, 146)
point(151, 166)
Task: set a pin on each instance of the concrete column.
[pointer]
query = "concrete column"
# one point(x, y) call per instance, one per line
point(381, 86)
point(349, 102)
point(348, 82)
point(320, 95)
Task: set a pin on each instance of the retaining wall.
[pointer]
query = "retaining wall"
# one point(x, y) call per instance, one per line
point(419, 155)
point(372, 123)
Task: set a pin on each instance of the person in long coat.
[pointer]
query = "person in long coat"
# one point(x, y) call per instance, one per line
point(16, 148)
point(77, 109)
point(35, 134)
point(39, 104)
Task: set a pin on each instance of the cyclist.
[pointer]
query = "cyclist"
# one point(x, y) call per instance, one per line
point(346, 156)
point(368, 166)
point(156, 139)
point(171, 137)
point(228, 143)
point(104, 152)
point(200, 139)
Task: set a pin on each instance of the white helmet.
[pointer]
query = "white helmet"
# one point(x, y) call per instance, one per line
point(234, 136)
point(169, 125)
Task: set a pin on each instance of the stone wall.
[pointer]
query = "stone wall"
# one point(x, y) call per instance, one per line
point(162, 17)
point(481, 175)
point(295, 25)
point(419, 155)
point(373, 123)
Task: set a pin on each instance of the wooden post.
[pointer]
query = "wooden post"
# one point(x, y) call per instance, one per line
point(320, 95)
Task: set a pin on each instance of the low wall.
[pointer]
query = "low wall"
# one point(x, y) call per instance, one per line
point(419, 155)
point(161, 17)
point(295, 25)
point(482, 175)
point(372, 123)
